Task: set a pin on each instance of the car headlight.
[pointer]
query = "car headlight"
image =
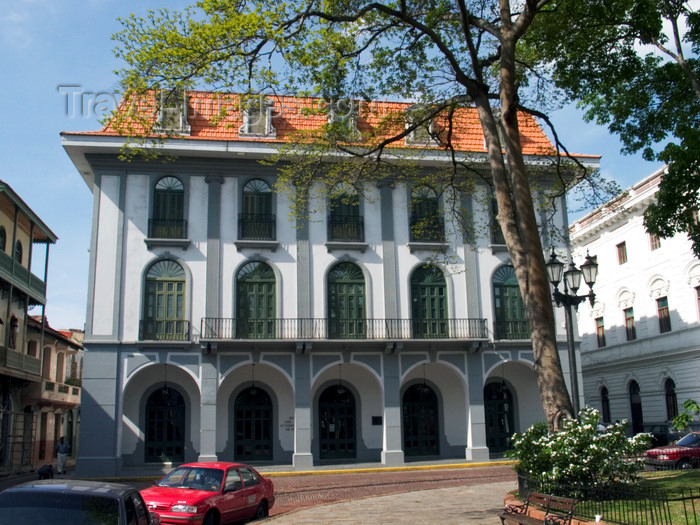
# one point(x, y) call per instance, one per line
point(189, 509)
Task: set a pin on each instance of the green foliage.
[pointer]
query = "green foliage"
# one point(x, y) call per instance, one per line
point(691, 411)
point(581, 453)
point(444, 56)
point(648, 95)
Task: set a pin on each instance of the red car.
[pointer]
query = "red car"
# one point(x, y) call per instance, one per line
point(683, 454)
point(210, 494)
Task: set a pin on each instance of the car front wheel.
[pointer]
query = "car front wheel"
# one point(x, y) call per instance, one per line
point(210, 519)
point(685, 464)
point(262, 510)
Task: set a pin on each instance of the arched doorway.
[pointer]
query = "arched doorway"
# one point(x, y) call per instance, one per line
point(498, 408)
point(165, 426)
point(420, 421)
point(336, 413)
point(253, 425)
point(636, 408)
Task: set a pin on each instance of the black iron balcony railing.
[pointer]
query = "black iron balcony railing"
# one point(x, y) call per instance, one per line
point(257, 227)
point(161, 330)
point(511, 330)
point(167, 229)
point(345, 228)
point(427, 229)
point(317, 328)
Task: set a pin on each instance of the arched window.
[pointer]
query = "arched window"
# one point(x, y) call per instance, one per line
point(636, 408)
point(256, 302)
point(426, 223)
point(510, 316)
point(671, 399)
point(18, 252)
point(3, 238)
point(256, 222)
point(346, 302)
point(428, 303)
point(164, 303)
point(344, 221)
point(605, 405)
point(168, 210)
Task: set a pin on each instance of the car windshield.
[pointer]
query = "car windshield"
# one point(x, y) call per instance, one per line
point(195, 478)
point(42, 508)
point(691, 440)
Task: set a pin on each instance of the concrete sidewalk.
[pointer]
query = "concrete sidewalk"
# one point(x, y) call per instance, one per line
point(471, 505)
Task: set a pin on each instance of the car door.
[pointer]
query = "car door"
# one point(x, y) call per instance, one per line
point(136, 510)
point(250, 492)
point(232, 502)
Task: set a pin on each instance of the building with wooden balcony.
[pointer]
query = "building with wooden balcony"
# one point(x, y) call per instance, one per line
point(370, 330)
point(24, 239)
point(55, 398)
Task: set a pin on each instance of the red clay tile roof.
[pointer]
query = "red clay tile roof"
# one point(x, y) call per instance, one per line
point(292, 114)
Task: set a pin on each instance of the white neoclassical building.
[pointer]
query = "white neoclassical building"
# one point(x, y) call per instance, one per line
point(220, 328)
point(640, 342)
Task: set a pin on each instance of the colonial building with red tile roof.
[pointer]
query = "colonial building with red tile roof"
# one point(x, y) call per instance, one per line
point(222, 325)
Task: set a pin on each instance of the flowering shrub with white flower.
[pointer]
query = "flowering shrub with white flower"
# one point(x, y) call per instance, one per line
point(582, 453)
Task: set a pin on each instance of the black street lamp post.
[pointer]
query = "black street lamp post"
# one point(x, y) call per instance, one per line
point(572, 282)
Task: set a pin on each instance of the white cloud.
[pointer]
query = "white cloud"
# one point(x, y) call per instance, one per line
point(20, 21)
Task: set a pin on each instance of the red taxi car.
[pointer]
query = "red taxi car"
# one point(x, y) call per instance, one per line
point(210, 494)
point(683, 454)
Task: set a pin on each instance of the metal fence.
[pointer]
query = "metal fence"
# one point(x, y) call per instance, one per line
point(623, 504)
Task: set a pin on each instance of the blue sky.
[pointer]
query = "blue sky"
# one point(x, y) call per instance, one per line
point(52, 50)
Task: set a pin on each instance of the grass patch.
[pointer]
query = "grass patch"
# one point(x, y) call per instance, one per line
point(672, 482)
point(669, 485)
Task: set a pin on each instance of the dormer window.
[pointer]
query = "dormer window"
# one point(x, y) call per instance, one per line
point(172, 111)
point(424, 134)
point(342, 114)
point(257, 118)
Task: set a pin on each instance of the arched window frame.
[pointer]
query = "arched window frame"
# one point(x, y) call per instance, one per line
point(426, 222)
point(510, 318)
point(345, 221)
point(257, 222)
point(168, 212)
point(165, 302)
point(346, 301)
point(256, 294)
point(429, 303)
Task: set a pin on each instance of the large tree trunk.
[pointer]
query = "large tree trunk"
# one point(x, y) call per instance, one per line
point(516, 216)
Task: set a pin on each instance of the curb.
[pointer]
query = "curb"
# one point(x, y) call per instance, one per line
point(364, 470)
point(368, 470)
